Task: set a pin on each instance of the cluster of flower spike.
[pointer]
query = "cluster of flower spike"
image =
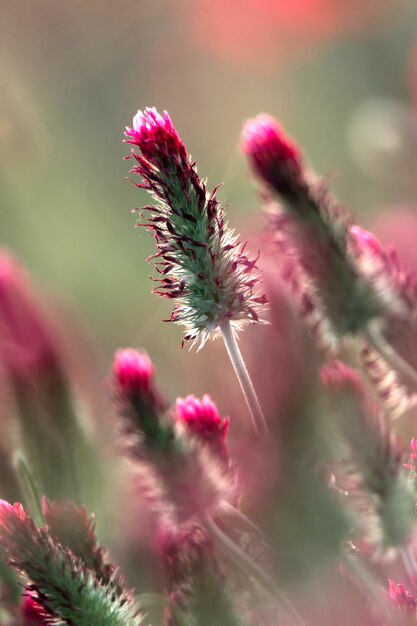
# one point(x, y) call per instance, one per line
point(201, 263)
point(217, 566)
point(181, 455)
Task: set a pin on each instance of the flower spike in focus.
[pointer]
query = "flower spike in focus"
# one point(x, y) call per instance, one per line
point(199, 259)
point(201, 263)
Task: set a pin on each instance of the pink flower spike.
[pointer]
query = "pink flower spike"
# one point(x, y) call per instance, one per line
point(413, 445)
point(27, 344)
point(272, 154)
point(202, 420)
point(133, 370)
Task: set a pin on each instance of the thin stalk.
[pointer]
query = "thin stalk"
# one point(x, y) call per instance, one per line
point(244, 379)
point(236, 514)
point(377, 340)
point(409, 564)
point(242, 560)
point(29, 489)
point(368, 582)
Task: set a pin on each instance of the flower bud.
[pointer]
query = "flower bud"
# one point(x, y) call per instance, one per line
point(202, 420)
point(272, 155)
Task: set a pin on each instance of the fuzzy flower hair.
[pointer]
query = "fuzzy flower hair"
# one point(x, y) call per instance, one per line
point(199, 259)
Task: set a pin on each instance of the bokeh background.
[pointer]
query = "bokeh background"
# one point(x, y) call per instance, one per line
point(340, 74)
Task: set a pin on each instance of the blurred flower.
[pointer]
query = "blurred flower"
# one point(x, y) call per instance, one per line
point(341, 276)
point(59, 581)
point(202, 420)
point(138, 402)
point(199, 258)
point(373, 463)
point(69, 525)
point(402, 598)
point(256, 32)
point(27, 345)
point(272, 154)
point(177, 473)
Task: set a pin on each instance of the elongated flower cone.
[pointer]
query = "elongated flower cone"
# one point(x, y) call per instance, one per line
point(33, 358)
point(59, 581)
point(27, 345)
point(378, 480)
point(201, 263)
point(342, 280)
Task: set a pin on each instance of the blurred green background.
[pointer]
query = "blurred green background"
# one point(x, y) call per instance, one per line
point(341, 75)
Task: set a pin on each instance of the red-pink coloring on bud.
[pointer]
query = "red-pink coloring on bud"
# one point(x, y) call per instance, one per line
point(272, 154)
point(202, 420)
point(133, 370)
point(402, 599)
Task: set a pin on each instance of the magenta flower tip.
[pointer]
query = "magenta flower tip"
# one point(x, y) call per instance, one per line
point(200, 262)
point(272, 154)
point(133, 370)
point(201, 418)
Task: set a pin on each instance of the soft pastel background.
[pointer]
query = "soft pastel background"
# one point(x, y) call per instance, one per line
point(340, 74)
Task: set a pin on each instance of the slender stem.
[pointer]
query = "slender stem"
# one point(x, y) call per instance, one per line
point(377, 340)
point(242, 374)
point(409, 564)
point(237, 514)
point(241, 559)
point(368, 581)
point(29, 489)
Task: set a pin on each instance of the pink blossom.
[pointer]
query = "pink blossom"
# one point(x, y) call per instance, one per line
point(272, 154)
point(156, 136)
point(202, 420)
point(133, 370)
point(26, 342)
point(402, 599)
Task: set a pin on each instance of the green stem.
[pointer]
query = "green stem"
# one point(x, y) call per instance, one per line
point(237, 514)
point(243, 377)
point(241, 559)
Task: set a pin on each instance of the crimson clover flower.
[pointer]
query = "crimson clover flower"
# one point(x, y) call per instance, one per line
point(59, 581)
point(202, 420)
point(199, 259)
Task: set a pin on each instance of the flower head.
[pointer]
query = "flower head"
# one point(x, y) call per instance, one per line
point(59, 581)
point(26, 342)
point(202, 420)
point(140, 405)
point(272, 155)
point(199, 259)
point(133, 371)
